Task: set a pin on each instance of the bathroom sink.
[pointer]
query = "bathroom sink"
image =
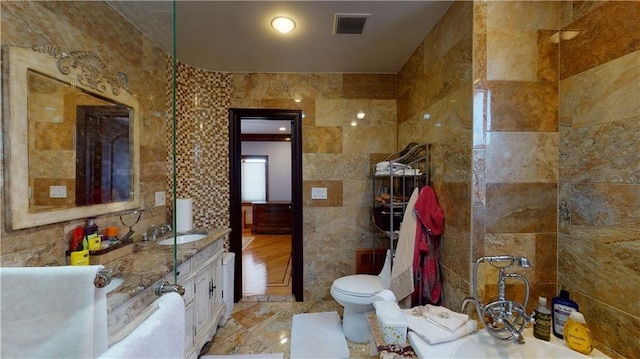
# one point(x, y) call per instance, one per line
point(481, 345)
point(183, 238)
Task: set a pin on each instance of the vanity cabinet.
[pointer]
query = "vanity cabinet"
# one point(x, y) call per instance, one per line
point(201, 277)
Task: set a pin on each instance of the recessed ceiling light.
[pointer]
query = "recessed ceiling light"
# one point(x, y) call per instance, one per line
point(360, 115)
point(283, 24)
point(282, 129)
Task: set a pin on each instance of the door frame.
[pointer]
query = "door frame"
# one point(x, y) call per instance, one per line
point(236, 115)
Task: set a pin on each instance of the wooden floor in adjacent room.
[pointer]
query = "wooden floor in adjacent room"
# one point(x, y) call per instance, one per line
point(266, 264)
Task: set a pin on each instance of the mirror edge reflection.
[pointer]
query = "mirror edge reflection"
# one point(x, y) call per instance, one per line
point(16, 62)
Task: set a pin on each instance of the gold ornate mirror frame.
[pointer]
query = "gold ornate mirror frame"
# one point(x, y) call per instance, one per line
point(86, 72)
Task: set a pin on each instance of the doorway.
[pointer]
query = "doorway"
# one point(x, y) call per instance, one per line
point(294, 117)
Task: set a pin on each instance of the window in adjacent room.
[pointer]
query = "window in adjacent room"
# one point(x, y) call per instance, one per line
point(254, 178)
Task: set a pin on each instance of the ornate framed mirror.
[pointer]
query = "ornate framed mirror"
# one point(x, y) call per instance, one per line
point(71, 137)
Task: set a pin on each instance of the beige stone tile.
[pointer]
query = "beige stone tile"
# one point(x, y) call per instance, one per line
point(456, 24)
point(334, 194)
point(535, 15)
point(606, 33)
point(479, 178)
point(604, 204)
point(477, 232)
point(545, 258)
point(253, 315)
point(372, 86)
point(565, 102)
point(357, 193)
point(456, 250)
point(411, 71)
point(480, 17)
point(522, 106)
point(548, 57)
point(511, 54)
point(365, 139)
point(608, 152)
point(331, 166)
point(589, 266)
point(479, 57)
point(454, 199)
point(547, 157)
point(607, 92)
point(511, 156)
point(322, 140)
point(521, 207)
point(343, 220)
point(343, 112)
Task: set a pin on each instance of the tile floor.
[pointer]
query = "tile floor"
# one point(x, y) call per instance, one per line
point(259, 326)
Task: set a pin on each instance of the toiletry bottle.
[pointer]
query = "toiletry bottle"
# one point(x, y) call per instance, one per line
point(91, 227)
point(561, 308)
point(542, 315)
point(577, 335)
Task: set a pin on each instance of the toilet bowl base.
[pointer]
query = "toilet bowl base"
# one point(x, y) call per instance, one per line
point(355, 326)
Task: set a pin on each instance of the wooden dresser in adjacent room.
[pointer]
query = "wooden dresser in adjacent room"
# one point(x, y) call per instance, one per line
point(271, 217)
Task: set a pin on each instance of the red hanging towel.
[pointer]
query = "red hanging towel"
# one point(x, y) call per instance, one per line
point(430, 223)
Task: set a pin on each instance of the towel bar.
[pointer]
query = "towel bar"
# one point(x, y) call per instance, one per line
point(103, 278)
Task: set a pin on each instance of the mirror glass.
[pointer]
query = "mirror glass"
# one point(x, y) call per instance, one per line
point(79, 146)
point(73, 137)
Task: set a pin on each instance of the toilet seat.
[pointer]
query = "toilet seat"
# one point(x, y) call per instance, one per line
point(358, 285)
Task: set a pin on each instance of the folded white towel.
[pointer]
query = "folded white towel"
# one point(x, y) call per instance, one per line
point(432, 333)
point(52, 312)
point(160, 335)
point(398, 172)
point(444, 318)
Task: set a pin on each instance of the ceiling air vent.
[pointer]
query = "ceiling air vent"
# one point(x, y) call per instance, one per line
point(349, 24)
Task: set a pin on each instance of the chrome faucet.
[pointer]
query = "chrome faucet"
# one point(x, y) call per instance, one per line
point(160, 230)
point(504, 319)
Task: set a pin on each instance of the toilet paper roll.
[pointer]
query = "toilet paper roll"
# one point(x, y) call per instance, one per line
point(184, 215)
point(384, 295)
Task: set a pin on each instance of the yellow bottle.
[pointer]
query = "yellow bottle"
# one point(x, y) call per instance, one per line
point(577, 335)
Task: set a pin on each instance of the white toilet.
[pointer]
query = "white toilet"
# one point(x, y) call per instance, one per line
point(356, 293)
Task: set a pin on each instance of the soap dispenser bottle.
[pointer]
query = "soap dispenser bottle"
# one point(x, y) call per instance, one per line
point(577, 335)
point(542, 315)
point(561, 308)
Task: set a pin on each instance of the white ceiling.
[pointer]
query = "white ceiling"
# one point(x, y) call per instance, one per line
point(235, 36)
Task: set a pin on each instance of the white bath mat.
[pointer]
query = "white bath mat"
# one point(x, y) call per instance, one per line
point(318, 336)
point(245, 356)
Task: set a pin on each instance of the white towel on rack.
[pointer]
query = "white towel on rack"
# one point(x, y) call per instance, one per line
point(402, 269)
point(52, 312)
point(159, 332)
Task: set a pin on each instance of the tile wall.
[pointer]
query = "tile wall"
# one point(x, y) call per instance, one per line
point(202, 151)
point(436, 80)
point(535, 143)
point(515, 141)
point(91, 26)
point(336, 155)
point(599, 167)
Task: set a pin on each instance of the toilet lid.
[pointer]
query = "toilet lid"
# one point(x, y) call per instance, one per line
point(360, 285)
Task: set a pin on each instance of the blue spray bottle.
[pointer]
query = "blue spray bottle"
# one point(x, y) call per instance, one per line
point(561, 308)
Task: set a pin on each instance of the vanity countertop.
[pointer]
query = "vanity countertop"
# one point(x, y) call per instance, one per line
point(150, 262)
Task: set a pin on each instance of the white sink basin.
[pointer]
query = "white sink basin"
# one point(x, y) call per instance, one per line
point(482, 345)
point(183, 238)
